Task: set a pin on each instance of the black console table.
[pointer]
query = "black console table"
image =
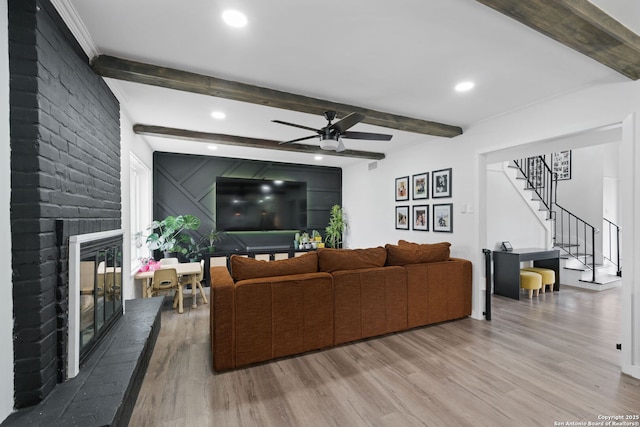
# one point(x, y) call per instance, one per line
point(506, 268)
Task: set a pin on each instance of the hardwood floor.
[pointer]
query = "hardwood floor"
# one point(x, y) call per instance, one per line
point(541, 361)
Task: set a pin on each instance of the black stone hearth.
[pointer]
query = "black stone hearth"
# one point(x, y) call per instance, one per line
point(105, 391)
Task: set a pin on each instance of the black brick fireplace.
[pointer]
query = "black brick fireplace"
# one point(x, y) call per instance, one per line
point(65, 180)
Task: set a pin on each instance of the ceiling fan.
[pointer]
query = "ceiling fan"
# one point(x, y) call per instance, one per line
point(332, 134)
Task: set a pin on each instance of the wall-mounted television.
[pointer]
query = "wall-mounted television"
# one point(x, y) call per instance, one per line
point(260, 205)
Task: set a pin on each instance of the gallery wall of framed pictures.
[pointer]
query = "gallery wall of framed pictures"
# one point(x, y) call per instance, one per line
point(561, 164)
point(418, 188)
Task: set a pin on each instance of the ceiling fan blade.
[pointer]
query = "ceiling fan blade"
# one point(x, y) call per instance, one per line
point(299, 139)
point(340, 148)
point(296, 126)
point(344, 124)
point(366, 135)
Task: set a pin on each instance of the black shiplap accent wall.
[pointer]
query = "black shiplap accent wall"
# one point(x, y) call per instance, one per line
point(184, 184)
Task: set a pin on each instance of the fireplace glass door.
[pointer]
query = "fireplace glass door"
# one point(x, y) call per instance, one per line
point(100, 290)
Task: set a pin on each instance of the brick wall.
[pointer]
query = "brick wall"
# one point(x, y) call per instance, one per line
point(65, 180)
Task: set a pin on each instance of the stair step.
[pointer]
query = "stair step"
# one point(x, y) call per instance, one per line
point(603, 279)
point(566, 245)
point(579, 268)
point(572, 256)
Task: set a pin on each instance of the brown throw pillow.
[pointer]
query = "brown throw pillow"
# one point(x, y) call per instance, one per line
point(415, 253)
point(330, 260)
point(243, 268)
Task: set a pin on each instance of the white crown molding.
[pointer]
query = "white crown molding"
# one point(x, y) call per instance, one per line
point(76, 26)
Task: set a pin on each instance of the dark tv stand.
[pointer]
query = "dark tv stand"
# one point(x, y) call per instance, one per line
point(506, 268)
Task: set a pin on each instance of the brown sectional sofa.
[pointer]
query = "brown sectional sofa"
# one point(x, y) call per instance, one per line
point(264, 310)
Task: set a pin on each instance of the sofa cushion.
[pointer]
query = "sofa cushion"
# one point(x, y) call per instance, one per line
point(243, 268)
point(405, 253)
point(331, 260)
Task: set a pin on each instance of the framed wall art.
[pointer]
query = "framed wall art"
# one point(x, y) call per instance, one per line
point(561, 164)
point(535, 170)
point(402, 188)
point(420, 186)
point(402, 217)
point(441, 182)
point(421, 217)
point(443, 218)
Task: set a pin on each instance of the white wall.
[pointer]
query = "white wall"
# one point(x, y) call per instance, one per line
point(368, 195)
point(6, 302)
point(582, 194)
point(611, 182)
point(513, 219)
point(136, 145)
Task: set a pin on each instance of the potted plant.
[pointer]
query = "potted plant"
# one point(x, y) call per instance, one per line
point(211, 238)
point(336, 227)
point(166, 232)
point(316, 238)
point(305, 243)
point(191, 248)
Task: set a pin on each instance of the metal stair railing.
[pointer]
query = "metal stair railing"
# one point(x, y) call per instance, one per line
point(540, 179)
point(612, 249)
point(570, 231)
point(578, 233)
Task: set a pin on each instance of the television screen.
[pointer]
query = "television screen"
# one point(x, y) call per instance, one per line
point(260, 205)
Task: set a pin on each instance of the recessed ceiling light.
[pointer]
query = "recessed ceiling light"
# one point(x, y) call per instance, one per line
point(464, 86)
point(212, 147)
point(218, 115)
point(234, 18)
point(318, 157)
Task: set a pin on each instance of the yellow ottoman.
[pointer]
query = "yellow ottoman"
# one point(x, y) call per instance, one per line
point(530, 281)
point(548, 276)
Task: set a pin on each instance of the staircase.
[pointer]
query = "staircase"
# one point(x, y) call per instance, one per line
point(583, 265)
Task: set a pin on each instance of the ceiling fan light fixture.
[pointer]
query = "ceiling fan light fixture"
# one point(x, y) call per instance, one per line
point(328, 142)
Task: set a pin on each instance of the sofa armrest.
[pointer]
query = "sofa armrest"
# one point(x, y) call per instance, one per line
point(222, 318)
point(439, 291)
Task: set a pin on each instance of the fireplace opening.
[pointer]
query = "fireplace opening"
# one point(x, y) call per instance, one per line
point(95, 292)
point(100, 291)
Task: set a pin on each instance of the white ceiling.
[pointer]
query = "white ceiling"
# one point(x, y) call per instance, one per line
point(397, 57)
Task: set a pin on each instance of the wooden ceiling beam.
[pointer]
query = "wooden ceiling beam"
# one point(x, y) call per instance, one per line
point(581, 26)
point(138, 72)
point(242, 141)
